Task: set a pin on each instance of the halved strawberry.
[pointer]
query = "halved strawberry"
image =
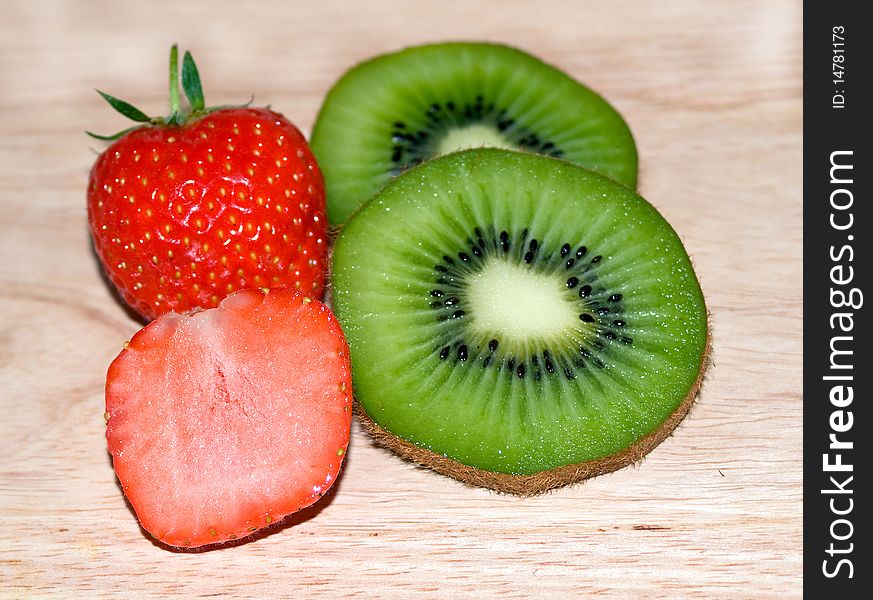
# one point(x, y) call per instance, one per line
point(225, 420)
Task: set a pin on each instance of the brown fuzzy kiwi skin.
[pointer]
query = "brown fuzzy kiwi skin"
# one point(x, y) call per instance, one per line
point(538, 483)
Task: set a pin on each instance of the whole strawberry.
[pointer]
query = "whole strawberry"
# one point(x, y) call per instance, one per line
point(186, 209)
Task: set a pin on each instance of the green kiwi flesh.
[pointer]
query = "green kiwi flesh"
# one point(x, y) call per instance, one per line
point(516, 321)
point(398, 110)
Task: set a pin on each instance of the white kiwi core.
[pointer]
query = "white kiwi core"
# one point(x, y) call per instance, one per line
point(473, 136)
point(517, 304)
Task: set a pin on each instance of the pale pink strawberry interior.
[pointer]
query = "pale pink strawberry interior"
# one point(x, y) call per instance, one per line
point(222, 419)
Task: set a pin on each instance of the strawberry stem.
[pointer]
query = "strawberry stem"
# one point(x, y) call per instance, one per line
point(192, 87)
point(174, 86)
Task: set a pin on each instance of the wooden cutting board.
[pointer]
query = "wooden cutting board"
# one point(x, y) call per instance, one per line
point(712, 92)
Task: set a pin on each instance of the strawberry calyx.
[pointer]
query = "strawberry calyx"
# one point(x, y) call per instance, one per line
point(179, 114)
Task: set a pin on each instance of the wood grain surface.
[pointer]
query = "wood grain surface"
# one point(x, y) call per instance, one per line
point(712, 92)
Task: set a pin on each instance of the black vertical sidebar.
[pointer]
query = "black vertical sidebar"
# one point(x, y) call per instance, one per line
point(837, 232)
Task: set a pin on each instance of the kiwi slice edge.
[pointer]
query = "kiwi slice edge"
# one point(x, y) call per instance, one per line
point(545, 479)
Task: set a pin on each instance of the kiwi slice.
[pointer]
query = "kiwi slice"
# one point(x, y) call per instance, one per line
point(518, 322)
point(397, 110)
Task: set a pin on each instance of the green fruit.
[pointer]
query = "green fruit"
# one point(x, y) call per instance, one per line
point(398, 110)
point(516, 321)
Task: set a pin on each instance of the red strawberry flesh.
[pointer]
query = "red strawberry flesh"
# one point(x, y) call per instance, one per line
point(223, 421)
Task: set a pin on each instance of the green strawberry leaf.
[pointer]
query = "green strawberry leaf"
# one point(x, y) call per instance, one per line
point(128, 110)
point(114, 136)
point(210, 109)
point(191, 84)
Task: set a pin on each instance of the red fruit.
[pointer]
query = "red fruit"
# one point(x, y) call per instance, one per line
point(186, 210)
point(225, 420)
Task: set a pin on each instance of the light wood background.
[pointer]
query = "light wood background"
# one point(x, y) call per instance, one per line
point(712, 92)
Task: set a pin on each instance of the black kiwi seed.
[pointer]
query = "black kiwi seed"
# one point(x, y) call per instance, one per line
point(572, 282)
point(462, 352)
point(492, 345)
point(585, 291)
point(444, 353)
point(586, 318)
